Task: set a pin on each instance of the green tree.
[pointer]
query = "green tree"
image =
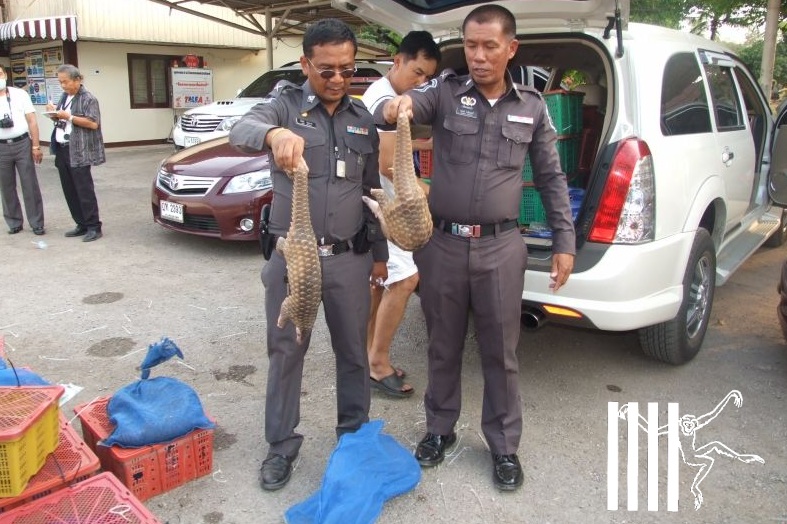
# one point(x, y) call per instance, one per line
point(667, 13)
point(751, 54)
point(380, 35)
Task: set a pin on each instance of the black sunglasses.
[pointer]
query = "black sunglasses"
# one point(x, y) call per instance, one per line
point(329, 73)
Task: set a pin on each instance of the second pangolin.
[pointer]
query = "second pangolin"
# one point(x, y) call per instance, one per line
point(405, 220)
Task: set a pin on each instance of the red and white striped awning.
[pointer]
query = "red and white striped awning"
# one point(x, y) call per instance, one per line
point(50, 27)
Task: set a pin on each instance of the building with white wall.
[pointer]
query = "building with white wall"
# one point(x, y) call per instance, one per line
point(125, 50)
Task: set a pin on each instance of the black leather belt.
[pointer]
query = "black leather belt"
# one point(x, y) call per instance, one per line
point(473, 230)
point(23, 136)
point(328, 250)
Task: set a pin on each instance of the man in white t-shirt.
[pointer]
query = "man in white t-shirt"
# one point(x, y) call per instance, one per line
point(19, 152)
point(415, 62)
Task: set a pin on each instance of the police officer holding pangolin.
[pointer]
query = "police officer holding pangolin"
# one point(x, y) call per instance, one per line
point(336, 136)
point(483, 126)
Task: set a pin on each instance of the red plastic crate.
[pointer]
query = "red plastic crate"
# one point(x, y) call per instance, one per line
point(425, 159)
point(72, 461)
point(151, 470)
point(100, 499)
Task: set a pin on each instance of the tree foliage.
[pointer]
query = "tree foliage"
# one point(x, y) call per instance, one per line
point(380, 35)
point(667, 13)
point(751, 55)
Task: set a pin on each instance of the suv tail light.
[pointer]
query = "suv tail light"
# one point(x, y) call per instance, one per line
point(626, 213)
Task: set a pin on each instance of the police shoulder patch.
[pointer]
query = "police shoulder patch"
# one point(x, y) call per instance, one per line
point(280, 87)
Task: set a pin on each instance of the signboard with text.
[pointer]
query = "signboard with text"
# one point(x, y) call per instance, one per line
point(191, 87)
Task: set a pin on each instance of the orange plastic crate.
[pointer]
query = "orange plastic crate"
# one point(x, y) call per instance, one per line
point(71, 462)
point(29, 431)
point(100, 499)
point(151, 470)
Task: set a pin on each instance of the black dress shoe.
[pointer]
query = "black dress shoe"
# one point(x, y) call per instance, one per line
point(276, 471)
point(431, 450)
point(39, 231)
point(76, 232)
point(507, 472)
point(14, 230)
point(91, 235)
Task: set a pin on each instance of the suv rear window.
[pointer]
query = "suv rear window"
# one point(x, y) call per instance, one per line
point(265, 84)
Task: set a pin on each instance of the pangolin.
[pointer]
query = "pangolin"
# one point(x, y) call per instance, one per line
point(405, 220)
point(303, 265)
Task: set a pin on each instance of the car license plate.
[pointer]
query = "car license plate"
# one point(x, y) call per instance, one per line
point(171, 211)
point(191, 141)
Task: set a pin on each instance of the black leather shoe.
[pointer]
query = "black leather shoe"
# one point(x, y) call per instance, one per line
point(507, 472)
point(39, 231)
point(76, 232)
point(91, 235)
point(276, 471)
point(14, 230)
point(431, 450)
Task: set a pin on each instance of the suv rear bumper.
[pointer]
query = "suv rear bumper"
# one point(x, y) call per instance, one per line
point(610, 295)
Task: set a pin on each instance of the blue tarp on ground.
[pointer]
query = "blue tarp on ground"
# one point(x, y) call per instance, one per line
point(366, 469)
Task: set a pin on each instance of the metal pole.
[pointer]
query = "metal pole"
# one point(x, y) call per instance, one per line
point(269, 36)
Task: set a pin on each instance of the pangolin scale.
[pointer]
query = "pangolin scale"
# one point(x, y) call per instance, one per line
point(405, 220)
point(303, 265)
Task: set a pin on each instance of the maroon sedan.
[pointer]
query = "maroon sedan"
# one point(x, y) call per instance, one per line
point(213, 190)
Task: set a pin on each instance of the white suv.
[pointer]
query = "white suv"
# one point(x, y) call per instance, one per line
point(215, 120)
point(670, 164)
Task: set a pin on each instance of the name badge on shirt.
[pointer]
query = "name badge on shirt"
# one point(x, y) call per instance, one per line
point(520, 119)
point(340, 168)
point(305, 123)
point(358, 130)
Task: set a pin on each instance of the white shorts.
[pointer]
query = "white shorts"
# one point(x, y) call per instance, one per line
point(400, 264)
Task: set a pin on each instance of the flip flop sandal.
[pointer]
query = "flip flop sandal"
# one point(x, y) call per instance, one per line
point(391, 386)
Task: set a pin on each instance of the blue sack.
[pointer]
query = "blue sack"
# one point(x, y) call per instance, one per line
point(19, 377)
point(152, 411)
point(366, 469)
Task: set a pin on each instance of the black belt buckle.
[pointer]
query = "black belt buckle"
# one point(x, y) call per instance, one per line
point(325, 251)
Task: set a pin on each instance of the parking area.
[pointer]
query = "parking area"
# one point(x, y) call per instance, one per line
point(83, 313)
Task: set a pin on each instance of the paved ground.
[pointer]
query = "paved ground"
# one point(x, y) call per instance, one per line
point(83, 313)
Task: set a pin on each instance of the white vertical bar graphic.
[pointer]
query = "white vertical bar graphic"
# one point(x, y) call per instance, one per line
point(612, 456)
point(673, 456)
point(632, 467)
point(653, 456)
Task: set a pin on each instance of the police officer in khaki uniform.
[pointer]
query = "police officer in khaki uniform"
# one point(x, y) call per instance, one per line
point(336, 136)
point(483, 126)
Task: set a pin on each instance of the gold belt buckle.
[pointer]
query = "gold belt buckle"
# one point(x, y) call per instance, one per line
point(325, 251)
point(466, 230)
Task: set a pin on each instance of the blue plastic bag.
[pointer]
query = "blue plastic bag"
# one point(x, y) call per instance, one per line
point(19, 377)
point(366, 469)
point(152, 411)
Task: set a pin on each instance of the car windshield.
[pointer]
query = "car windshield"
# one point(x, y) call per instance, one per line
point(264, 84)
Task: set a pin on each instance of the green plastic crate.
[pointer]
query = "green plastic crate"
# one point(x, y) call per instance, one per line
point(567, 150)
point(565, 110)
point(531, 210)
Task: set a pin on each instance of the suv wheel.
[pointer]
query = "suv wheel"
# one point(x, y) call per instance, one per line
point(779, 236)
point(678, 340)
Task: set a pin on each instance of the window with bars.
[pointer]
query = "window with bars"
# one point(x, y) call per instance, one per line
point(149, 80)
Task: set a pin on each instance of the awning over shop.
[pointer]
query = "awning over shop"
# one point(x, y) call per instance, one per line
point(50, 27)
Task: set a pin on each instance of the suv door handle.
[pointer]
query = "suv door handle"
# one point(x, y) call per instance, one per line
point(727, 157)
